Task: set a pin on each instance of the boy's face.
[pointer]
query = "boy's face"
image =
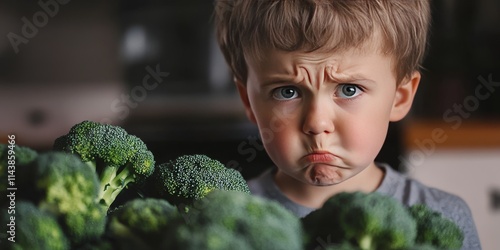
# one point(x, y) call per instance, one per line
point(323, 117)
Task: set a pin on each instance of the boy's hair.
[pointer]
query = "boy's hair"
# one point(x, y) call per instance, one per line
point(246, 28)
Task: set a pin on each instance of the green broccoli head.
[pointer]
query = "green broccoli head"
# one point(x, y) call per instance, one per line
point(366, 220)
point(434, 229)
point(23, 155)
point(118, 157)
point(68, 188)
point(19, 156)
point(98, 244)
point(423, 247)
point(192, 177)
point(209, 237)
point(139, 223)
point(34, 229)
point(236, 220)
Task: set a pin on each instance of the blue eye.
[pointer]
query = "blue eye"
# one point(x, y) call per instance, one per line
point(348, 91)
point(285, 93)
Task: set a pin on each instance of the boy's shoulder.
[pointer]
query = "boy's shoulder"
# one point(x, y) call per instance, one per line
point(410, 191)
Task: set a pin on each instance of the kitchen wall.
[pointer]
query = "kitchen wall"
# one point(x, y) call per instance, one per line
point(59, 64)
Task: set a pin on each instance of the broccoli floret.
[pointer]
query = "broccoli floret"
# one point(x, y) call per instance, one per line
point(98, 244)
point(343, 246)
point(423, 247)
point(434, 229)
point(34, 229)
point(18, 157)
point(139, 223)
point(24, 155)
point(68, 188)
point(208, 237)
point(191, 177)
point(236, 220)
point(366, 220)
point(118, 157)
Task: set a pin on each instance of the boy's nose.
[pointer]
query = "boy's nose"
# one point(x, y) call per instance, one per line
point(318, 120)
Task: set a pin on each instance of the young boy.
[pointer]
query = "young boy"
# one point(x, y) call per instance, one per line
point(322, 79)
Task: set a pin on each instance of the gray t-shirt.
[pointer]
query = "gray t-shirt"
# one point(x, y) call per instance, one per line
point(395, 185)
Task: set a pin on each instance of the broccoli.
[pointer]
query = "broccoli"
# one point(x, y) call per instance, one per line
point(67, 188)
point(13, 155)
point(34, 229)
point(191, 177)
point(139, 223)
point(208, 237)
point(423, 247)
point(367, 221)
point(118, 157)
point(235, 220)
point(434, 229)
point(98, 244)
point(24, 155)
point(343, 246)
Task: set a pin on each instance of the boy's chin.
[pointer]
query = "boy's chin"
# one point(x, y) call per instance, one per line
point(324, 175)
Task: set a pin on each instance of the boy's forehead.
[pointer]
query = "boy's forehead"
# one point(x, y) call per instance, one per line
point(284, 64)
point(351, 64)
point(268, 57)
point(287, 62)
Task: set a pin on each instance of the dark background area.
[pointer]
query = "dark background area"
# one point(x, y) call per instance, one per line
point(88, 54)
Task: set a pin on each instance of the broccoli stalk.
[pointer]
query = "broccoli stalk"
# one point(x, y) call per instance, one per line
point(114, 181)
point(118, 157)
point(191, 177)
point(365, 241)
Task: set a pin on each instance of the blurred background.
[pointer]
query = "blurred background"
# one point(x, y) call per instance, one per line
point(154, 68)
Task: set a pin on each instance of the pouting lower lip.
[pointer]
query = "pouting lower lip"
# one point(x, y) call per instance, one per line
point(319, 158)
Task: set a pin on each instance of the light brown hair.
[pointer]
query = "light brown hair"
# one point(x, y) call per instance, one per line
point(245, 28)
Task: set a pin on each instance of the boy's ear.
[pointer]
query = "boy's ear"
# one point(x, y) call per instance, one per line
point(403, 100)
point(242, 89)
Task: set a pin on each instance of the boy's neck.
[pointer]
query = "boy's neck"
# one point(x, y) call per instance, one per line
point(311, 196)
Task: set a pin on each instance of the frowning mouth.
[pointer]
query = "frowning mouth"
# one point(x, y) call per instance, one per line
point(322, 167)
point(322, 157)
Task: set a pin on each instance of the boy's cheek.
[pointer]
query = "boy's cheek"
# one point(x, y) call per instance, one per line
point(282, 147)
point(366, 141)
point(276, 118)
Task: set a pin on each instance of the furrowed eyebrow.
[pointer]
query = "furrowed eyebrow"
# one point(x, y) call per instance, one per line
point(352, 78)
point(277, 80)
